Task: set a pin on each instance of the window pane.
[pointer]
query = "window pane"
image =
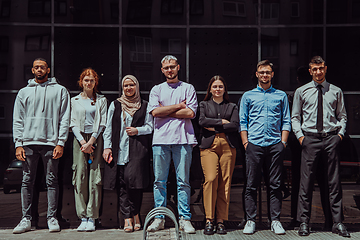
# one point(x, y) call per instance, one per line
point(79, 48)
point(343, 58)
point(300, 45)
point(145, 65)
point(15, 60)
point(230, 53)
point(86, 12)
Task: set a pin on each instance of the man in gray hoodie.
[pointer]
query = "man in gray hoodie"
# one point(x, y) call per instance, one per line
point(40, 129)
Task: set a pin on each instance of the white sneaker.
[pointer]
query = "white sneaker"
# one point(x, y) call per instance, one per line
point(186, 226)
point(82, 226)
point(249, 227)
point(23, 226)
point(90, 226)
point(277, 228)
point(53, 225)
point(156, 225)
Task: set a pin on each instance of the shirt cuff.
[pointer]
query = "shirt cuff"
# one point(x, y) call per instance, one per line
point(107, 144)
point(18, 144)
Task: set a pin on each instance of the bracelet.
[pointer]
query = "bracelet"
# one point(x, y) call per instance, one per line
point(245, 143)
point(285, 143)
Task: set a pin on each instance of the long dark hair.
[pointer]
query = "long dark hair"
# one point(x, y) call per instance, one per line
point(212, 80)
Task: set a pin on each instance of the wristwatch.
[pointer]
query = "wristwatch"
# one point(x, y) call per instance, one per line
point(285, 143)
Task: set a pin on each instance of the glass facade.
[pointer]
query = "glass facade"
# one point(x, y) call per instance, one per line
point(214, 37)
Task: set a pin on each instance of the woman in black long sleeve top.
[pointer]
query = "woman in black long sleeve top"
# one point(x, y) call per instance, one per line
point(219, 120)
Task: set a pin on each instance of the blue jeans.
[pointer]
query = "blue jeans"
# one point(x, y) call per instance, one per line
point(182, 156)
point(33, 153)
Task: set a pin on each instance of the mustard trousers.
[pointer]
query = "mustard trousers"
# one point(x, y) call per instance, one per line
point(218, 164)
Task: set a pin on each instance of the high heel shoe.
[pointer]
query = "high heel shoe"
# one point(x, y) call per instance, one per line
point(128, 228)
point(137, 225)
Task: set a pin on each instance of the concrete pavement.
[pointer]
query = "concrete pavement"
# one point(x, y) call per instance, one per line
point(10, 209)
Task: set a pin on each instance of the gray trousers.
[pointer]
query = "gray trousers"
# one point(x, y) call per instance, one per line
point(33, 153)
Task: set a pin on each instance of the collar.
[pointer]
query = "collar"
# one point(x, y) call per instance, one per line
point(270, 89)
point(174, 85)
point(325, 84)
point(212, 100)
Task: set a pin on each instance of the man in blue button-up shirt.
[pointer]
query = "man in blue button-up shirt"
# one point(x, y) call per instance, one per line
point(264, 127)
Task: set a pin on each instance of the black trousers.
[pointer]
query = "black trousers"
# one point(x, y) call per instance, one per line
point(322, 150)
point(296, 149)
point(130, 200)
point(270, 159)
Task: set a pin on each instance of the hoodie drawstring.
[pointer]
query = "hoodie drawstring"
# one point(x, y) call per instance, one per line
point(44, 98)
point(35, 99)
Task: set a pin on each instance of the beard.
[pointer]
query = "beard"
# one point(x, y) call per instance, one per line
point(41, 77)
point(173, 77)
point(265, 81)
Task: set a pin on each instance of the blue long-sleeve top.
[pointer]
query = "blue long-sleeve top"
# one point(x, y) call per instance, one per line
point(264, 114)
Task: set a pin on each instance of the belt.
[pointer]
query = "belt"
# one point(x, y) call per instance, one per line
point(321, 135)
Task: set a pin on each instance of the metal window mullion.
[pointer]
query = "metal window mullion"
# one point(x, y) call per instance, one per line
point(52, 47)
point(120, 46)
point(324, 29)
point(259, 30)
point(187, 40)
point(20, 24)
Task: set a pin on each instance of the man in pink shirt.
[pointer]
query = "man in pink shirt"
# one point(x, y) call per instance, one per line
point(173, 104)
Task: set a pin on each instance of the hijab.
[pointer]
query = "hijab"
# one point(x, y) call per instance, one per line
point(133, 103)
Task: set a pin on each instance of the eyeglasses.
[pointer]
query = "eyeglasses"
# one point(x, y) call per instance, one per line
point(172, 67)
point(316, 69)
point(42, 67)
point(265, 72)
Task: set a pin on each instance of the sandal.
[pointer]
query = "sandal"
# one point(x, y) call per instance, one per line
point(128, 228)
point(137, 225)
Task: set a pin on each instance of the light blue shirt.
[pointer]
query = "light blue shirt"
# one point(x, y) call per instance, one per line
point(147, 128)
point(264, 114)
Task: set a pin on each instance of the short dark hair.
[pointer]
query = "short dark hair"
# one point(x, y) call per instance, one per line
point(316, 60)
point(42, 59)
point(264, 63)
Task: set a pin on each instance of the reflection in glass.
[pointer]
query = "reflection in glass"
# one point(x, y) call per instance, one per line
point(172, 7)
point(234, 8)
point(231, 53)
point(138, 12)
point(342, 57)
point(196, 7)
point(79, 48)
point(143, 49)
point(288, 49)
point(37, 43)
point(5, 9)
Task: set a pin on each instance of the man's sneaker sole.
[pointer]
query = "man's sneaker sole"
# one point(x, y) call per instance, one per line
point(23, 231)
point(161, 226)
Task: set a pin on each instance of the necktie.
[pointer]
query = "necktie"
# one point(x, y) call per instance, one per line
point(319, 120)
